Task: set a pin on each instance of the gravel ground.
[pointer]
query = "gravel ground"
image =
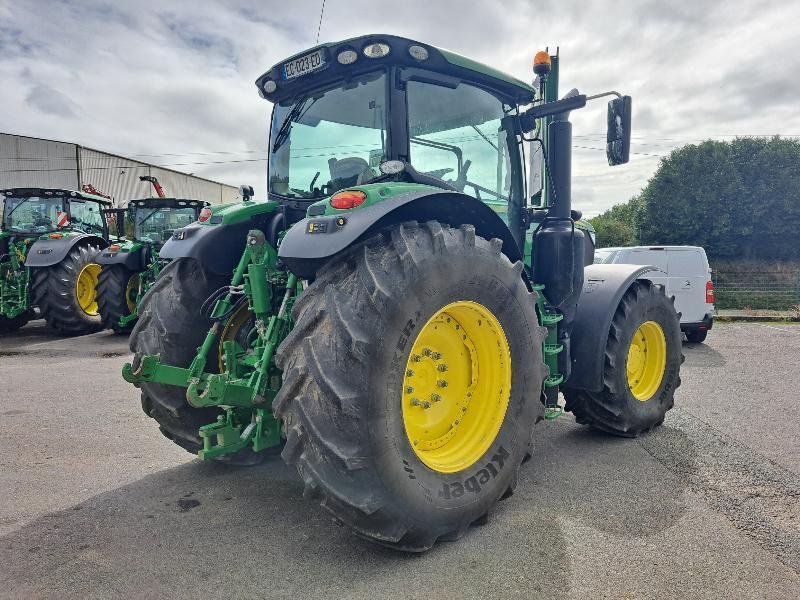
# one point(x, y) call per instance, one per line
point(94, 503)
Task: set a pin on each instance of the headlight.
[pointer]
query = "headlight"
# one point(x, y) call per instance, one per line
point(347, 57)
point(270, 86)
point(376, 50)
point(418, 52)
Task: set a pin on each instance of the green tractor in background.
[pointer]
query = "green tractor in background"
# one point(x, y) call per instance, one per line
point(130, 266)
point(48, 247)
point(399, 324)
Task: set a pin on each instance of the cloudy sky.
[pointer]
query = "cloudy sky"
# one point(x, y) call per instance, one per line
point(171, 82)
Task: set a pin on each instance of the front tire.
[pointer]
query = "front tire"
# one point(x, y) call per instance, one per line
point(641, 370)
point(66, 292)
point(114, 288)
point(171, 325)
point(8, 325)
point(372, 335)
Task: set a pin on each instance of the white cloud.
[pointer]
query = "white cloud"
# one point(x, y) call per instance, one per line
point(176, 77)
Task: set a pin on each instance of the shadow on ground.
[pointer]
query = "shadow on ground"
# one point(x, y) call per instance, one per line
point(198, 527)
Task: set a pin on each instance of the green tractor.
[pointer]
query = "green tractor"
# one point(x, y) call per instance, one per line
point(398, 325)
point(130, 266)
point(48, 245)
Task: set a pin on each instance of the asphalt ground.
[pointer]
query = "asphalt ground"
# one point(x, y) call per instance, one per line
point(95, 503)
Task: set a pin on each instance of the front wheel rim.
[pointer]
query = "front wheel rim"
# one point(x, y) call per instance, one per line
point(647, 360)
point(457, 386)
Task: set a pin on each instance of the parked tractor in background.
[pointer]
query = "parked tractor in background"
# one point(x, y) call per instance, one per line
point(403, 320)
point(48, 245)
point(131, 265)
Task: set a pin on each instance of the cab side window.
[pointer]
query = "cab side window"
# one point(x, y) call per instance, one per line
point(85, 216)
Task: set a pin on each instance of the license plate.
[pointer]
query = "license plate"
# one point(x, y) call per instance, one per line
point(304, 64)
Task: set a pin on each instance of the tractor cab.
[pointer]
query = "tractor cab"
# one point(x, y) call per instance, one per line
point(376, 109)
point(33, 212)
point(153, 220)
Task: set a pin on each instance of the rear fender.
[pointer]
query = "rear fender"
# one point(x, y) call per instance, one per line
point(218, 247)
point(313, 241)
point(603, 288)
point(133, 261)
point(49, 252)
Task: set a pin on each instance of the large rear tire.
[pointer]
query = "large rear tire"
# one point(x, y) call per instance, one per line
point(390, 342)
point(114, 287)
point(66, 292)
point(641, 370)
point(171, 325)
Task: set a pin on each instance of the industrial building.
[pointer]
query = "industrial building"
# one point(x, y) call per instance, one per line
point(35, 162)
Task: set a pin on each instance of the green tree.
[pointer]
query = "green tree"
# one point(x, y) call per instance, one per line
point(616, 226)
point(736, 199)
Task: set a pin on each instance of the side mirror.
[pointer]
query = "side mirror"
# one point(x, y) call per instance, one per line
point(246, 192)
point(618, 138)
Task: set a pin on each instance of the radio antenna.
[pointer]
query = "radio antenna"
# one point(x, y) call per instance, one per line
point(319, 27)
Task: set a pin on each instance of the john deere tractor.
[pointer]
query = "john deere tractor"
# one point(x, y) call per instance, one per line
point(130, 266)
point(406, 306)
point(48, 245)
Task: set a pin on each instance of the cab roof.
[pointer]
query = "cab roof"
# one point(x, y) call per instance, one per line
point(441, 61)
point(55, 192)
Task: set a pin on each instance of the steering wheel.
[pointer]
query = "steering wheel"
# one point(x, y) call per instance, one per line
point(460, 181)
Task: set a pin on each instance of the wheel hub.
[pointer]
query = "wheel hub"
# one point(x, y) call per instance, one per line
point(456, 386)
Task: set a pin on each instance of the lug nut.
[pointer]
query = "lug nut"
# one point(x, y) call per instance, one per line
point(416, 358)
point(436, 355)
point(409, 389)
point(441, 383)
point(410, 373)
point(427, 352)
point(435, 397)
point(442, 368)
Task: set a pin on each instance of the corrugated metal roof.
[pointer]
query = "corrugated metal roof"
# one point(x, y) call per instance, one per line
point(27, 161)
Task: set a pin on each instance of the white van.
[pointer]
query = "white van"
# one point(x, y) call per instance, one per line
point(686, 275)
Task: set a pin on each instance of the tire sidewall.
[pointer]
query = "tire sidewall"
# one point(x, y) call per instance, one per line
point(468, 493)
point(662, 312)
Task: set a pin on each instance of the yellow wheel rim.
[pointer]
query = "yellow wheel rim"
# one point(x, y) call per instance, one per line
point(131, 291)
point(456, 386)
point(647, 360)
point(86, 288)
point(231, 332)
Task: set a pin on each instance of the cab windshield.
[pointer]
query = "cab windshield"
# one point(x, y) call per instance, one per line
point(31, 214)
point(330, 140)
point(157, 224)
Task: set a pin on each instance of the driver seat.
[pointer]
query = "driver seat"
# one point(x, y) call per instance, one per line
point(349, 171)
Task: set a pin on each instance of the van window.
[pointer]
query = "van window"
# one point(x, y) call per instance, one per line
point(656, 258)
point(605, 256)
point(687, 263)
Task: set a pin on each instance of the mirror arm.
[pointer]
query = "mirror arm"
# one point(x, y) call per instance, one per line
point(610, 93)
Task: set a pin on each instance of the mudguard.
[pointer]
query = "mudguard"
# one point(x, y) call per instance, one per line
point(312, 241)
point(46, 253)
point(603, 288)
point(133, 261)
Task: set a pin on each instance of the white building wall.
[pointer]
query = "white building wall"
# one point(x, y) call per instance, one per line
point(33, 162)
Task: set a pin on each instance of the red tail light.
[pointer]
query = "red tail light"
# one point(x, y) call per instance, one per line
point(709, 292)
point(348, 199)
point(56, 236)
point(205, 215)
point(113, 248)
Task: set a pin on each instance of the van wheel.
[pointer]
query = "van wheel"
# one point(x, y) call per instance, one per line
point(697, 336)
